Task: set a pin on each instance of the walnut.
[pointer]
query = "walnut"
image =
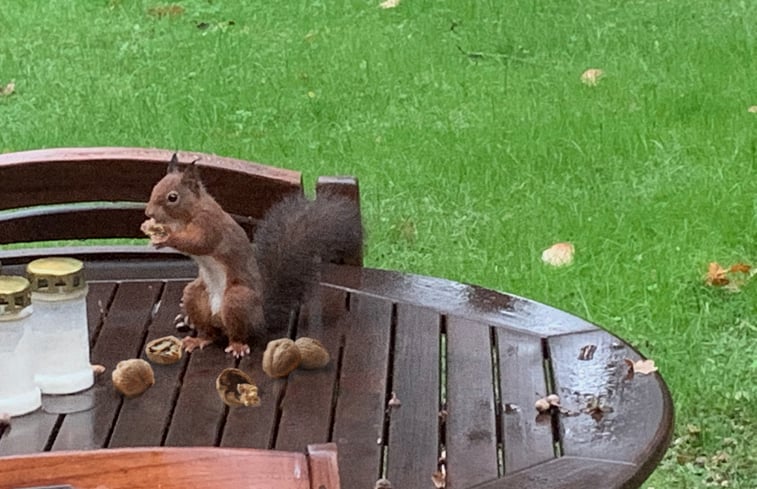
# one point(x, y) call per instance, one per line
point(281, 357)
point(313, 353)
point(156, 232)
point(165, 351)
point(132, 377)
point(236, 388)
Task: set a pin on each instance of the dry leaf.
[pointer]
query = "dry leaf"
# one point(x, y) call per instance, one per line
point(389, 3)
point(172, 10)
point(439, 478)
point(740, 267)
point(383, 484)
point(591, 76)
point(98, 369)
point(559, 254)
point(394, 402)
point(716, 275)
point(643, 367)
point(752, 109)
point(7, 89)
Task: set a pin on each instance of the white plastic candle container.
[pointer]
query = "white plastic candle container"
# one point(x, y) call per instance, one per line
point(18, 392)
point(59, 325)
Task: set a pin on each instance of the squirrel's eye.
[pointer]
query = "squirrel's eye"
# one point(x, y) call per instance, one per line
point(172, 196)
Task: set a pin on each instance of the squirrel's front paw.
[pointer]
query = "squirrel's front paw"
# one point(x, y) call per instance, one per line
point(191, 343)
point(237, 349)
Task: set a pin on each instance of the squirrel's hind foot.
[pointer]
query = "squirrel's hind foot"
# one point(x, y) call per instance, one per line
point(191, 343)
point(237, 349)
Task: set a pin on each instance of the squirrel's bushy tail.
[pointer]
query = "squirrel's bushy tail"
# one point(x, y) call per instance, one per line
point(293, 239)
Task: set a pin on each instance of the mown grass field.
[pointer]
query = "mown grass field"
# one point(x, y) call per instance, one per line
point(476, 144)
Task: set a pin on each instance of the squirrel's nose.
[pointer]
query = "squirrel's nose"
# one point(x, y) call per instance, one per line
point(149, 211)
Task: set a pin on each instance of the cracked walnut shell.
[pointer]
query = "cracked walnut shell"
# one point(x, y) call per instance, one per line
point(132, 377)
point(165, 351)
point(281, 357)
point(236, 388)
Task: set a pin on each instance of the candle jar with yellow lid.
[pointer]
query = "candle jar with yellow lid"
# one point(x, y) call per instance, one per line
point(59, 325)
point(18, 392)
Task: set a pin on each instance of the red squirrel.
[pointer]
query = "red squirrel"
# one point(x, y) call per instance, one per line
point(245, 290)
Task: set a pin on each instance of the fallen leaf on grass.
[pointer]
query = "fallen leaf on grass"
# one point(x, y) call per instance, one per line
point(7, 89)
point(389, 3)
point(643, 367)
point(559, 254)
point(740, 267)
point(591, 76)
point(752, 109)
point(172, 10)
point(717, 276)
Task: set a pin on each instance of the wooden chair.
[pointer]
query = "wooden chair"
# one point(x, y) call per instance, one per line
point(175, 468)
point(100, 193)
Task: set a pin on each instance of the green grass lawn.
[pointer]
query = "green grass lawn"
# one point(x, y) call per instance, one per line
point(477, 147)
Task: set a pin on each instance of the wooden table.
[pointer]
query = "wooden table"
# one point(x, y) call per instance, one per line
point(465, 366)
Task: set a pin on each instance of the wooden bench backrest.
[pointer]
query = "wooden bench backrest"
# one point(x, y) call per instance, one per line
point(90, 193)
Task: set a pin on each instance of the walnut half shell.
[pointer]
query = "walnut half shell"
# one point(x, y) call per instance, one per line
point(236, 388)
point(165, 351)
point(132, 377)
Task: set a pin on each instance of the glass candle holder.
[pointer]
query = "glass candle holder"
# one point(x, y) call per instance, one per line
point(59, 325)
point(18, 392)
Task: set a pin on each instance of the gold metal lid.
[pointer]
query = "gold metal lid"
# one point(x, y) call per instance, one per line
point(15, 294)
point(56, 275)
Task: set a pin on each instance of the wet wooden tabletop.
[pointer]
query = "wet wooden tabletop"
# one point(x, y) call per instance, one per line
point(464, 364)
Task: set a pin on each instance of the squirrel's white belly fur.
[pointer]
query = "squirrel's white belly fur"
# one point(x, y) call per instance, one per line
point(213, 273)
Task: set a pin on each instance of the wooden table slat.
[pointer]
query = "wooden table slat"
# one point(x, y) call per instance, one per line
point(631, 421)
point(528, 438)
point(120, 339)
point(568, 472)
point(167, 468)
point(200, 414)
point(414, 425)
point(471, 428)
point(254, 426)
point(151, 411)
point(307, 406)
point(456, 299)
point(359, 419)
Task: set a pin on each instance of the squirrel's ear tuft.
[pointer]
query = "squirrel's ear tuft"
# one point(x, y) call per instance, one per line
point(173, 165)
point(191, 178)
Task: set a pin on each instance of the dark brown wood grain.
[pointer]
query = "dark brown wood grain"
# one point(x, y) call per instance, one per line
point(633, 412)
point(92, 220)
point(128, 174)
point(456, 299)
point(528, 437)
point(413, 444)
point(359, 423)
point(306, 409)
point(569, 473)
point(471, 427)
point(173, 468)
point(255, 426)
point(199, 414)
point(152, 410)
point(120, 339)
